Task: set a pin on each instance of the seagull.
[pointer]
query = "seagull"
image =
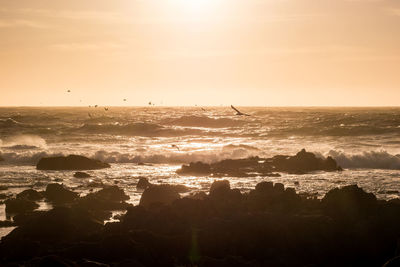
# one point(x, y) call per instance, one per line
point(95, 106)
point(203, 109)
point(125, 99)
point(68, 91)
point(176, 147)
point(150, 103)
point(238, 112)
point(106, 109)
point(90, 115)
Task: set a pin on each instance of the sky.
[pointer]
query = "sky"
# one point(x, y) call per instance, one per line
point(200, 52)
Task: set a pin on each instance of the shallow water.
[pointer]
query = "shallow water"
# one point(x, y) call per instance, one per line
point(364, 141)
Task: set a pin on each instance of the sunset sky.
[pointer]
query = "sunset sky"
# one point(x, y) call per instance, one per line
point(204, 52)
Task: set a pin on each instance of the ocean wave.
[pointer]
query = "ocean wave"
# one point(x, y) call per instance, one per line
point(137, 129)
point(9, 123)
point(203, 121)
point(367, 160)
point(172, 158)
point(26, 141)
point(27, 158)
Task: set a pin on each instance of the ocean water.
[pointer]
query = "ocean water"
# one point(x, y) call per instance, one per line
point(364, 141)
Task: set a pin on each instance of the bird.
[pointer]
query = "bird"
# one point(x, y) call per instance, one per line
point(95, 106)
point(203, 109)
point(90, 115)
point(150, 103)
point(106, 109)
point(238, 113)
point(68, 91)
point(176, 147)
point(124, 99)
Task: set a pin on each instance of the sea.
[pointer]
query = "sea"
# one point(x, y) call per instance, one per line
point(154, 142)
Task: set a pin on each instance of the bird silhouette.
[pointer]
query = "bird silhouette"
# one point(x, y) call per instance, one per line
point(239, 113)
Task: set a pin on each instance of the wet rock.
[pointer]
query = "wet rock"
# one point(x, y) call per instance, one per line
point(59, 194)
point(304, 162)
point(81, 175)
point(143, 183)
point(197, 168)
point(349, 203)
point(163, 194)
point(18, 205)
point(30, 194)
point(301, 163)
point(220, 188)
point(71, 162)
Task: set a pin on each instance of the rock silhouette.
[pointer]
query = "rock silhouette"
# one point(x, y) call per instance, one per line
point(269, 226)
point(300, 163)
point(81, 175)
point(71, 162)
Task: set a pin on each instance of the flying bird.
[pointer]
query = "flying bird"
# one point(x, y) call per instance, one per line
point(106, 109)
point(68, 91)
point(176, 147)
point(238, 113)
point(125, 99)
point(95, 106)
point(150, 103)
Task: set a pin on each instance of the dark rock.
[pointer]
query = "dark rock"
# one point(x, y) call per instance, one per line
point(71, 162)
point(59, 194)
point(349, 203)
point(18, 205)
point(81, 175)
point(143, 183)
point(6, 224)
point(197, 168)
point(30, 194)
point(163, 194)
point(220, 188)
point(301, 163)
point(108, 199)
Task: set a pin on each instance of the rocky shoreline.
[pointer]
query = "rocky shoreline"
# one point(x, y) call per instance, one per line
point(268, 226)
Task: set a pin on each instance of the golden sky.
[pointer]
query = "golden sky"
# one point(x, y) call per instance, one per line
point(204, 52)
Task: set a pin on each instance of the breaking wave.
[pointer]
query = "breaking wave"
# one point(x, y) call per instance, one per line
point(367, 160)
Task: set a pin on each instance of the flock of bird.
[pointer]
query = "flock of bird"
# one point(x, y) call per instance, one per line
point(238, 113)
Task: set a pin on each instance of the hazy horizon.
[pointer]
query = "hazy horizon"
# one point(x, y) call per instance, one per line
point(247, 53)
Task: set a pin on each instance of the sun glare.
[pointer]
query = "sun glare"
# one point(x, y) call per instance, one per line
point(199, 7)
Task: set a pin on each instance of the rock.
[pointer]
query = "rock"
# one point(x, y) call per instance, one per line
point(59, 194)
point(163, 194)
point(143, 183)
point(30, 194)
point(301, 163)
point(304, 162)
point(6, 224)
point(197, 168)
point(18, 205)
point(220, 188)
point(81, 175)
point(349, 203)
point(71, 162)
